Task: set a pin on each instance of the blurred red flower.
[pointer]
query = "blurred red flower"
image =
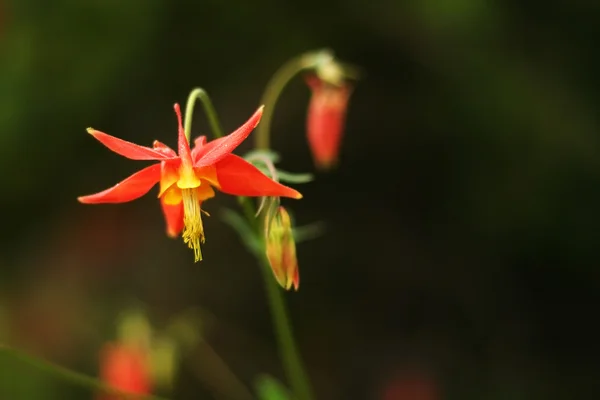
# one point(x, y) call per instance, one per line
point(125, 368)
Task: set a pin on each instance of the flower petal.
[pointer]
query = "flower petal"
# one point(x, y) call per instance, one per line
point(173, 217)
point(238, 177)
point(200, 141)
point(169, 174)
point(183, 146)
point(215, 150)
point(205, 191)
point(198, 144)
point(129, 189)
point(163, 148)
point(127, 149)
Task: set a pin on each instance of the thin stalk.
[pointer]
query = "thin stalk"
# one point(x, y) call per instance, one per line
point(292, 362)
point(288, 350)
point(276, 85)
point(211, 114)
point(72, 376)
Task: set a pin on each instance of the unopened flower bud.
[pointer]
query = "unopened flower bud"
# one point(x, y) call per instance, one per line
point(281, 249)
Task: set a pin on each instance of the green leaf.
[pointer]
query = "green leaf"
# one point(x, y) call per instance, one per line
point(241, 226)
point(254, 155)
point(268, 388)
point(308, 232)
point(291, 177)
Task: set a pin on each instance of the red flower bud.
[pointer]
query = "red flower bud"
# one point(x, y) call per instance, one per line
point(281, 249)
point(125, 368)
point(326, 120)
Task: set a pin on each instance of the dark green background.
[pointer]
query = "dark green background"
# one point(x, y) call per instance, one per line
point(462, 224)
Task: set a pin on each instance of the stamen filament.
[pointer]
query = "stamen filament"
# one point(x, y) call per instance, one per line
point(193, 232)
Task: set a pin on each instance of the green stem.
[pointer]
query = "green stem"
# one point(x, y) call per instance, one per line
point(72, 376)
point(292, 362)
point(276, 85)
point(213, 120)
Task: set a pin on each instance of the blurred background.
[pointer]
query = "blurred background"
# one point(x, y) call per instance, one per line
point(459, 259)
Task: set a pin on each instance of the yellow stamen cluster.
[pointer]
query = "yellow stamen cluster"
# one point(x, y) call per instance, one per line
point(193, 232)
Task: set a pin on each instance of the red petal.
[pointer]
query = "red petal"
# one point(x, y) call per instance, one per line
point(183, 147)
point(215, 150)
point(199, 143)
point(131, 188)
point(173, 217)
point(163, 148)
point(296, 279)
point(128, 149)
point(238, 177)
point(325, 123)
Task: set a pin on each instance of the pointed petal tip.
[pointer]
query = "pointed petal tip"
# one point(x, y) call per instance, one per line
point(90, 130)
point(258, 114)
point(171, 233)
point(298, 195)
point(326, 164)
point(88, 199)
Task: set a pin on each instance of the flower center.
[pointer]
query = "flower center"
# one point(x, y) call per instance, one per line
point(193, 231)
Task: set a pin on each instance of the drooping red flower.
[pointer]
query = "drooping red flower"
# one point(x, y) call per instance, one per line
point(326, 119)
point(187, 177)
point(125, 368)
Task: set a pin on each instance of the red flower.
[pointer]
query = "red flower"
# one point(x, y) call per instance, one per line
point(124, 368)
point(187, 178)
point(326, 119)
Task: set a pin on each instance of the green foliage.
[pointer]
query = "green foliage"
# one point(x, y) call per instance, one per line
point(241, 226)
point(270, 155)
point(268, 388)
point(290, 177)
point(66, 59)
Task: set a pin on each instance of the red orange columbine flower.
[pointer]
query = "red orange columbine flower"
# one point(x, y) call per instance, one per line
point(326, 119)
point(187, 177)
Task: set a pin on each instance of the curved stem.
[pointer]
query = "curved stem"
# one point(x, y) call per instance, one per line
point(276, 85)
point(72, 376)
point(211, 114)
point(288, 350)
